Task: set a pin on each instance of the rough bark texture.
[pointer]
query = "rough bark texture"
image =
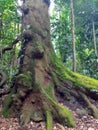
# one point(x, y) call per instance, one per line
point(41, 75)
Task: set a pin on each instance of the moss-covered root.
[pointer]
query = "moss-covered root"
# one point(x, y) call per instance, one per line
point(48, 120)
point(93, 109)
point(59, 114)
point(63, 116)
point(56, 111)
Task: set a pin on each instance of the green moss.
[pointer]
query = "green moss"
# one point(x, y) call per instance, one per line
point(49, 91)
point(38, 51)
point(48, 120)
point(85, 81)
point(25, 79)
point(66, 74)
point(66, 116)
point(6, 111)
point(55, 78)
point(40, 46)
point(59, 68)
point(62, 114)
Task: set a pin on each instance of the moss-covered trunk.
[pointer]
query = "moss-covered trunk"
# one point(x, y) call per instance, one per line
point(41, 75)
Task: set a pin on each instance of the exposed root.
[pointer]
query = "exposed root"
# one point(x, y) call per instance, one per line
point(93, 109)
point(41, 106)
point(63, 115)
point(48, 120)
point(60, 113)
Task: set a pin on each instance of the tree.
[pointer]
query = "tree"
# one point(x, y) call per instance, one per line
point(73, 36)
point(61, 32)
point(41, 75)
point(86, 23)
point(84, 36)
point(93, 30)
point(9, 29)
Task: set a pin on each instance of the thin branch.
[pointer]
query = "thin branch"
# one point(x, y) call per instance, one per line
point(10, 47)
point(4, 91)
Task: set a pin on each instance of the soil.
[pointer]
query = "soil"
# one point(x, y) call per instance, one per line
point(82, 120)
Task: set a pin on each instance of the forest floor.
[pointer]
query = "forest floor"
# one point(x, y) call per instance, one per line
point(82, 121)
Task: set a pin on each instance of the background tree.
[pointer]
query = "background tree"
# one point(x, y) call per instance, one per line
point(84, 20)
point(83, 11)
point(9, 29)
point(73, 35)
point(61, 31)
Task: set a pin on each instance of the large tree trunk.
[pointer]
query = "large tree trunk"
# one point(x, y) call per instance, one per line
point(41, 75)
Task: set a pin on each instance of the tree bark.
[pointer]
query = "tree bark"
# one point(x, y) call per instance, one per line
point(94, 36)
point(41, 75)
point(73, 36)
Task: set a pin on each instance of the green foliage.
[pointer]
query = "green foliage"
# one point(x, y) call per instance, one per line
point(9, 21)
point(60, 30)
point(84, 11)
point(25, 79)
point(10, 27)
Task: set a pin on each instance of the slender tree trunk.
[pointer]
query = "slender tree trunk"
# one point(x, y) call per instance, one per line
point(94, 36)
point(0, 26)
point(73, 36)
